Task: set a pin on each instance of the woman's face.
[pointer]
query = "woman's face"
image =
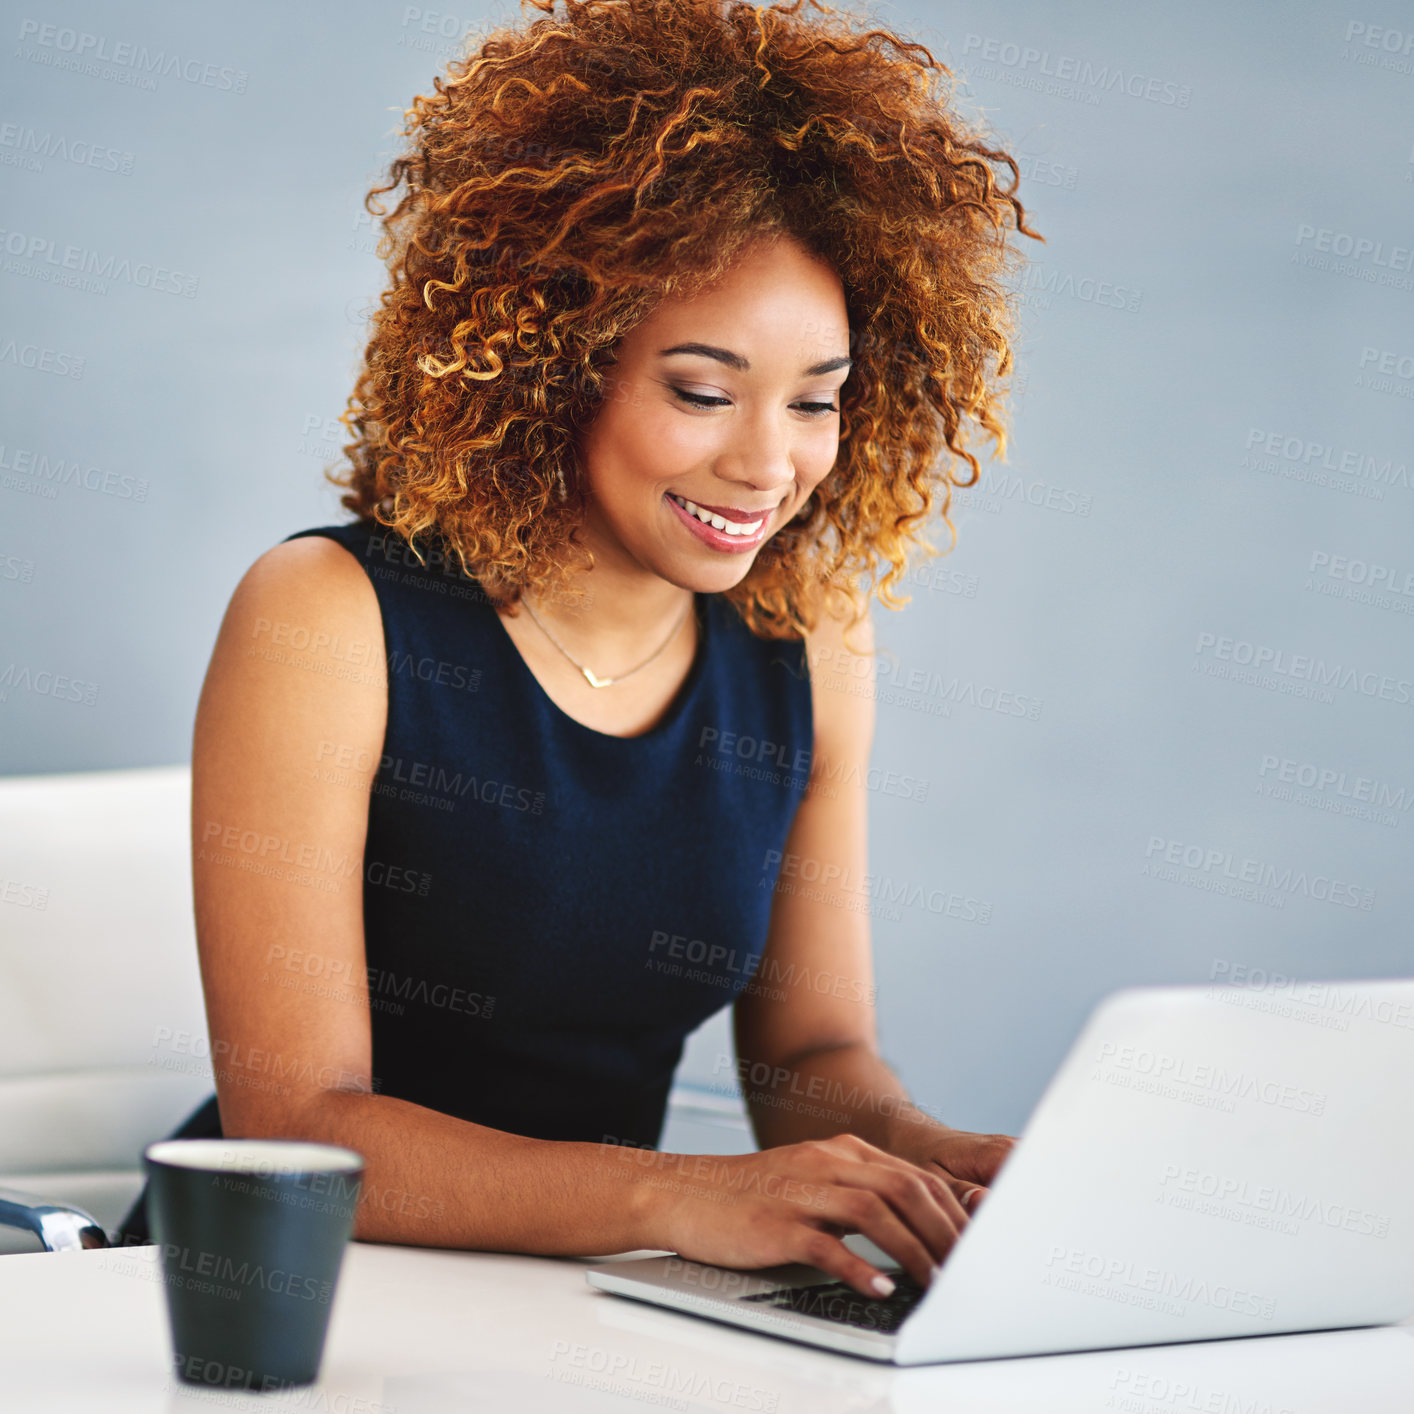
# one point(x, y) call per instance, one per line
point(729, 400)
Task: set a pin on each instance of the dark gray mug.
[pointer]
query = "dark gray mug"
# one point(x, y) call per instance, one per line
point(252, 1234)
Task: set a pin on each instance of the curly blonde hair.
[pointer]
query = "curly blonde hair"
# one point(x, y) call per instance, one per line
point(565, 178)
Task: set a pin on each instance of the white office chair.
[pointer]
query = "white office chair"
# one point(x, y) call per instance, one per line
point(103, 1045)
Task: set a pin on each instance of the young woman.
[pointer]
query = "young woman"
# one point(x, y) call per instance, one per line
point(691, 310)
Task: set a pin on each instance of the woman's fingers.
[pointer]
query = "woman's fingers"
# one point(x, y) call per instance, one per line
point(967, 1194)
point(970, 1196)
point(862, 1210)
point(912, 1213)
point(905, 1186)
point(819, 1249)
point(935, 1220)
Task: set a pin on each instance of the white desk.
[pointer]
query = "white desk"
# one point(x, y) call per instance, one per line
point(415, 1331)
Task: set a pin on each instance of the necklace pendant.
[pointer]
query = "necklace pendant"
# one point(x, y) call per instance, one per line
point(594, 679)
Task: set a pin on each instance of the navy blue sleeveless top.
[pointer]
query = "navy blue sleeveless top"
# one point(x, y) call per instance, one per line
point(549, 910)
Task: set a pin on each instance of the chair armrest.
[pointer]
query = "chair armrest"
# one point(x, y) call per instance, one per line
point(60, 1228)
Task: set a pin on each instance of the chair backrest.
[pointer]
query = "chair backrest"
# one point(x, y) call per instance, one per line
point(103, 1043)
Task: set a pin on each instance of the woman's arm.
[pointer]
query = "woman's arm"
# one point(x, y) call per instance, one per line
point(806, 1035)
point(289, 732)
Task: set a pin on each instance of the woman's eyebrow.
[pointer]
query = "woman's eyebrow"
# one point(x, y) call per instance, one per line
point(742, 365)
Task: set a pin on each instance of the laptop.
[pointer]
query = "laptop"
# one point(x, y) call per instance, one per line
point(1207, 1163)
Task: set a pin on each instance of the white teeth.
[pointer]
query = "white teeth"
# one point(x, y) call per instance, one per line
point(721, 522)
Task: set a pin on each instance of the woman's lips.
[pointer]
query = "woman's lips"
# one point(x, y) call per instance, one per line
point(735, 513)
point(719, 539)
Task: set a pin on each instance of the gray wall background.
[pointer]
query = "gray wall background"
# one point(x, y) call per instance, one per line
point(1196, 569)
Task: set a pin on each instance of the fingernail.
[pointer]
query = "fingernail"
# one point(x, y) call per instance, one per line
point(933, 1274)
point(883, 1285)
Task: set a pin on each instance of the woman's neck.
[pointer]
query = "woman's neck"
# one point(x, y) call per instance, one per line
point(614, 611)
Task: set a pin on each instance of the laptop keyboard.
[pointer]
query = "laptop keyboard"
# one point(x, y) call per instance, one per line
point(837, 1301)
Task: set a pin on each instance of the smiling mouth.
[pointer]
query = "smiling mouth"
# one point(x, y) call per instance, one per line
point(720, 522)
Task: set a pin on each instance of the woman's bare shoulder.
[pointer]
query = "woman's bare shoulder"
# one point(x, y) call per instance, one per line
point(309, 596)
point(313, 571)
point(303, 634)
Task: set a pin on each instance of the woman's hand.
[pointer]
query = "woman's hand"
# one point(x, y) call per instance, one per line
point(966, 1162)
point(794, 1203)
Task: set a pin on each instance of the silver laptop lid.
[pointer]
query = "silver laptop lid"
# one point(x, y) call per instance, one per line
point(1207, 1162)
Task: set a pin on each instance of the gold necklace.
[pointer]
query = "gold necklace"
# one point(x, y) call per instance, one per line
point(593, 678)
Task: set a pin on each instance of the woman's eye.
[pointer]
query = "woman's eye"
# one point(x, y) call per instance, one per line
point(699, 401)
